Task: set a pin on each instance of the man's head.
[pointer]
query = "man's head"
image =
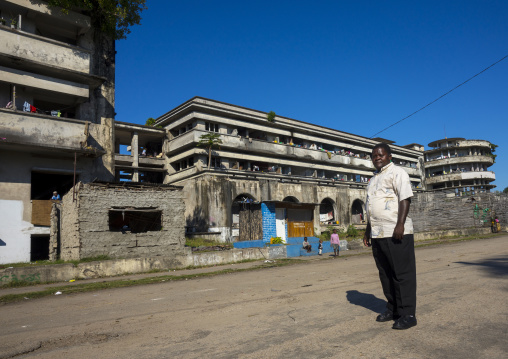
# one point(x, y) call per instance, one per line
point(381, 155)
point(55, 193)
point(334, 231)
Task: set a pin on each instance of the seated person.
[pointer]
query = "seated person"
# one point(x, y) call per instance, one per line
point(56, 196)
point(306, 245)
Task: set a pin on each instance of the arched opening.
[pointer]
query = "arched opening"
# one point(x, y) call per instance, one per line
point(357, 213)
point(240, 201)
point(291, 199)
point(326, 211)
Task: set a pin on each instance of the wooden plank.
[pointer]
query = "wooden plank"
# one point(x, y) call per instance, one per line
point(41, 212)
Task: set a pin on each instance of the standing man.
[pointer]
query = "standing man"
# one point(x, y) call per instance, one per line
point(391, 231)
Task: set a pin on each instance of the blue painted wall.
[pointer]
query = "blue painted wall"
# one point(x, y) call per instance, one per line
point(268, 217)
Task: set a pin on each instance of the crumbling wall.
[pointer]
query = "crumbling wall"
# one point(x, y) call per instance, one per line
point(69, 227)
point(54, 231)
point(95, 237)
point(434, 211)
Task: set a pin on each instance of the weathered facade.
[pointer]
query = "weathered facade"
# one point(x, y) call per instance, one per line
point(459, 166)
point(120, 221)
point(56, 115)
point(283, 160)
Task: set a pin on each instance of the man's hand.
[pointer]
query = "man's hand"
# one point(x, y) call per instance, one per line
point(366, 241)
point(398, 232)
point(366, 236)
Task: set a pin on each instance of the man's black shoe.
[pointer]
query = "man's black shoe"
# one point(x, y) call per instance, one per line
point(405, 322)
point(385, 317)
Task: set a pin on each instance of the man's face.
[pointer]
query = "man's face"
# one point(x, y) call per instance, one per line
point(380, 158)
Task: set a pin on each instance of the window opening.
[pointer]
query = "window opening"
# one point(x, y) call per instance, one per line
point(133, 220)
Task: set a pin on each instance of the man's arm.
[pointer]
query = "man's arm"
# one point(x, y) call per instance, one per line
point(366, 236)
point(398, 232)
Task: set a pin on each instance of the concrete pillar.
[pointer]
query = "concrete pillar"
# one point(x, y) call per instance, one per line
point(135, 156)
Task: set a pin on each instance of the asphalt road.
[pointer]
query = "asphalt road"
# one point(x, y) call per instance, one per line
point(317, 309)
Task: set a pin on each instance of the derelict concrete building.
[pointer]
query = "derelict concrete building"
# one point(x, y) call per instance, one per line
point(305, 175)
point(56, 116)
point(459, 165)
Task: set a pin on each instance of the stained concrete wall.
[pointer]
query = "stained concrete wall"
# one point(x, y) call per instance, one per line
point(434, 211)
point(43, 50)
point(85, 222)
point(209, 199)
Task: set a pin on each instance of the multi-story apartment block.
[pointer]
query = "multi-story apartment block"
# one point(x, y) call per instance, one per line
point(56, 117)
point(291, 164)
point(459, 165)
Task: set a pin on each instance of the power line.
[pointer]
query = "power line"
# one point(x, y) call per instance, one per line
point(440, 97)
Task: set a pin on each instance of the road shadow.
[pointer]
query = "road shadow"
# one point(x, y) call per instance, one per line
point(497, 266)
point(365, 300)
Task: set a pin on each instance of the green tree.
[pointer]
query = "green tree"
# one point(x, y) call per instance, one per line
point(270, 117)
point(505, 190)
point(210, 140)
point(113, 17)
point(150, 122)
point(492, 150)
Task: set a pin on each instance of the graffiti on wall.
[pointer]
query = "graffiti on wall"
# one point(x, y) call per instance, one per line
point(13, 278)
point(481, 213)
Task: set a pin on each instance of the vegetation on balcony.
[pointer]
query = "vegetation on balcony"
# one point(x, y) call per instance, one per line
point(111, 16)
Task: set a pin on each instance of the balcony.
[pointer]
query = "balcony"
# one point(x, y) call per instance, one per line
point(43, 51)
point(249, 145)
point(127, 160)
point(489, 176)
point(43, 131)
point(458, 160)
point(17, 77)
point(461, 144)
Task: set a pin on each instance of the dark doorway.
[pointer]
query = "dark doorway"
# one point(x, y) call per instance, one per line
point(39, 247)
point(44, 184)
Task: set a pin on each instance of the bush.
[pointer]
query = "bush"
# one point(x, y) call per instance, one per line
point(276, 240)
point(352, 231)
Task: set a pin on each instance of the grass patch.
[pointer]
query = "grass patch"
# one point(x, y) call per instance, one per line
point(205, 242)
point(122, 283)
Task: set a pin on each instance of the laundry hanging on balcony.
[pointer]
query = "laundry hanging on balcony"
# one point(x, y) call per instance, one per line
point(29, 108)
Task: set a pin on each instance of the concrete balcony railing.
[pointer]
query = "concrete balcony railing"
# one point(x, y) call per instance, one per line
point(459, 160)
point(127, 160)
point(461, 144)
point(48, 52)
point(236, 143)
point(42, 131)
point(462, 176)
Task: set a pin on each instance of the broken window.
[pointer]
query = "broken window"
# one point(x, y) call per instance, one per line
point(132, 220)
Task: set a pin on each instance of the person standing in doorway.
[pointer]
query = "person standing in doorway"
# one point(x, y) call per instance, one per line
point(390, 232)
point(335, 242)
point(56, 196)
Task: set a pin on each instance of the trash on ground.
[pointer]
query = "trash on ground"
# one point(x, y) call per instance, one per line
point(58, 293)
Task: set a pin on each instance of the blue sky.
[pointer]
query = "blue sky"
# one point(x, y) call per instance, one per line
point(356, 66)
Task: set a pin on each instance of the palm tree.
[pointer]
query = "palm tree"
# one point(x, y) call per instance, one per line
point(210, 140)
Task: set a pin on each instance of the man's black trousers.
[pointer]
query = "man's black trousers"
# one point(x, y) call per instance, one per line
point(395, 260)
